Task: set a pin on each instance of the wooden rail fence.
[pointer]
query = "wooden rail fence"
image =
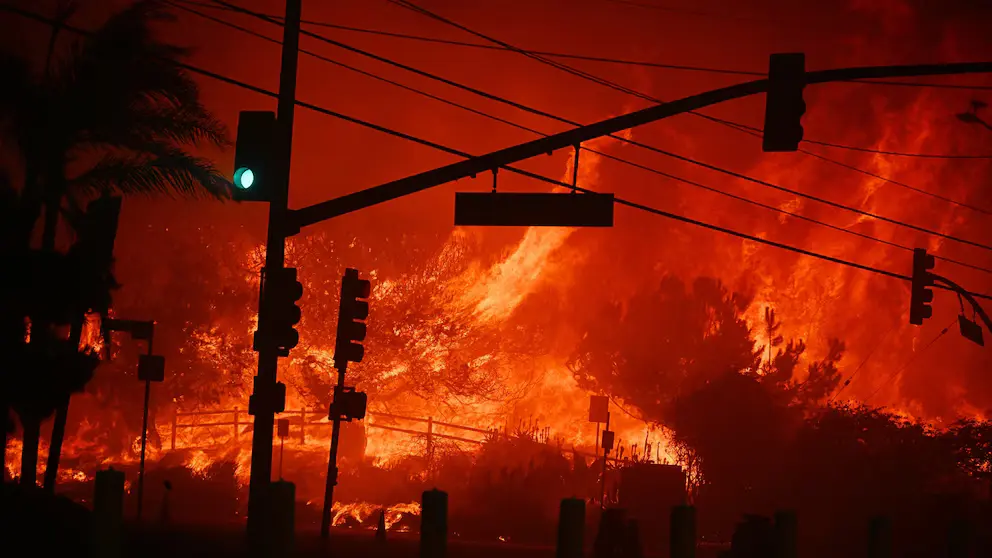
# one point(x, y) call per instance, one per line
point(299, 420)
point(238, 418)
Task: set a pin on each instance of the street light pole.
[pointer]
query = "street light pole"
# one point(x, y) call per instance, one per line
point(144, 436)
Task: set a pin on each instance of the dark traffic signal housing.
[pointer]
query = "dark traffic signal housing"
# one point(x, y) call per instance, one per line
point(348, 404)
point(784, 103)
point(271, 396)
point(353, 312)
point(921, 294)
point(279, 311)
point(255, 156)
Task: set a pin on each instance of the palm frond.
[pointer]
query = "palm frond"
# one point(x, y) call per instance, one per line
point(22, 101)
point(123, 67)
point(171, 171)
point(187, 124)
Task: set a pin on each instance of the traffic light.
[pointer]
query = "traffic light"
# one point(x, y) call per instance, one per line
point(784, 104)
point(921, 295)
point(280, 313)
point(255, 156)
point(348, 404)
point(272, 397)
point(353, 311)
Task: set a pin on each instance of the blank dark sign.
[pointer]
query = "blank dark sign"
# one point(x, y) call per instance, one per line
point(533, 210)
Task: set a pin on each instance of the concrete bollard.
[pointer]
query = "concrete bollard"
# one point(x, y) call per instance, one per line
point(571, 528)
point(434, 524)
point(609, 539)
point(280, 514)
point(380, 528)
point(682, 532)
point(959, 539)
point(631, 546)
point(753, 538)
point(880, 538)
point(108, 513)
point(786, 534)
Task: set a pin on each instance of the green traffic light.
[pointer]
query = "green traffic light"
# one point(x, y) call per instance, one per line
point(244, 178)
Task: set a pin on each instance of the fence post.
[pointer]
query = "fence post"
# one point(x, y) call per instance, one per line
point(175, 424)
point(430, 439)
point(237, 427)
point(303, 426)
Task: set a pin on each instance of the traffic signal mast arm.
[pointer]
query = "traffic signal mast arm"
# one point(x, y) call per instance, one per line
point(967, 295)
point(313, 214)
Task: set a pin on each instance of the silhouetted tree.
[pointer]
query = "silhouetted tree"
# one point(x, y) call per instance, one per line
point(111, 115)
point(664, 343)
point(824, 376)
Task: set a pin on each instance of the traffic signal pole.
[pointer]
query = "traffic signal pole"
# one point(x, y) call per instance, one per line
point(275, 256)
point(332, 462)
point(347, 404)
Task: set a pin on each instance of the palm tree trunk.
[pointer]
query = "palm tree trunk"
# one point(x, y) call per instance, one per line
point(58, 426)
point(29, 452)
point(55, 449)
point(51, 223)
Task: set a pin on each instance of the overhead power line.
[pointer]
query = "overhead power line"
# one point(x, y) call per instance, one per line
point(912, 359)
point(409, 5)
point(685, 11)
point(896, 153)
point(409, 137)
point(602, 154)
point(623, 89)
point(574, 56)
point(741, 127)
point(546, 114)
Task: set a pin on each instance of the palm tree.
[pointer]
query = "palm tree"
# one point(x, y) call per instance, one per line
point(113, 114)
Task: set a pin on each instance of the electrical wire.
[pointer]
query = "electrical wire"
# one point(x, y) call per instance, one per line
point(409, 5)
point(847, 382)
point(683, 11)
point(897, 153)
point(409, 137)
point(912, 359)
point(600, 153)
point(573, 56)
point(545, 114)
point(623, 89)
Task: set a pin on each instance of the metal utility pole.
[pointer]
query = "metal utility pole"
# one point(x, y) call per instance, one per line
point(265, 389)
point(151, 368)
point(607, 446)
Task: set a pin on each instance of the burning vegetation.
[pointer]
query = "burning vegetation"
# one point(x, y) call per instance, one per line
point(772, 379)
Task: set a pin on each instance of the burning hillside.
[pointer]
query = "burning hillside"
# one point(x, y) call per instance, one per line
point(479, 334)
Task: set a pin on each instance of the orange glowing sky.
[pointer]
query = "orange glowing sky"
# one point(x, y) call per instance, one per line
point(817, 300)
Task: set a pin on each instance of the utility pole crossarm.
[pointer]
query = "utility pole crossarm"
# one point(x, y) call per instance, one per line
point(485, 163)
